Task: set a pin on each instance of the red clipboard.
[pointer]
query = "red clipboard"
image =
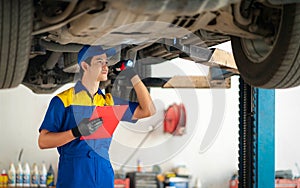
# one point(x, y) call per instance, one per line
point(111, 116)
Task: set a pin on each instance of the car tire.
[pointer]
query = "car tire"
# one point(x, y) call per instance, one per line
point(279, 66)
point(15, 41)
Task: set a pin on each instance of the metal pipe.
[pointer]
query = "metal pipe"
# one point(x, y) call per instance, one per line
point(52, 60)
point(56, 47)
point(280, 2)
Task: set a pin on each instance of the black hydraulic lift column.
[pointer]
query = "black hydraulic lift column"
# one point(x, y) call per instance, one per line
point(256, 137)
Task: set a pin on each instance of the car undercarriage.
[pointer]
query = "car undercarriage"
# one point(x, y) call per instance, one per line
point(40, 39)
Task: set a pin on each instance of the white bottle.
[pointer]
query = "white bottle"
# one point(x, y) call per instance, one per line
point(19, 175)
point(198, 183)
point(43, 175)
point(12, 175)
point(34, 176)
point(26, 175)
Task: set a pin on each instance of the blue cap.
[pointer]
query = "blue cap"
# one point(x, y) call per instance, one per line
point(90, 51)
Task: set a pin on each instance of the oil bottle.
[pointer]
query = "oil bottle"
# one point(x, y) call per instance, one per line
point(11, 175)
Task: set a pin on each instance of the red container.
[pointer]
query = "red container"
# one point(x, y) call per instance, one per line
point(233, 183)
point(122, 183)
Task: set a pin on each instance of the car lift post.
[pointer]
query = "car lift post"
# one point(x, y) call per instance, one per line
point(256, 137)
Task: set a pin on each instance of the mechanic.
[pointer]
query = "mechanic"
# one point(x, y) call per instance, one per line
point(85, 163)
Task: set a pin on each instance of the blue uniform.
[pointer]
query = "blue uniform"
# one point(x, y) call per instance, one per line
point(82, 163)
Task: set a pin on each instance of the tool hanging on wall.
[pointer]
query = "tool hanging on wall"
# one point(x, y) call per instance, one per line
point(175, 120)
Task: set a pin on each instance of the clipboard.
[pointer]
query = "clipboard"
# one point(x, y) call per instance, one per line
point(111, 116)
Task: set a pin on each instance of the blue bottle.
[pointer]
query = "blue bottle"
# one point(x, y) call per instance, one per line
point(50, 177)
point(19, 175)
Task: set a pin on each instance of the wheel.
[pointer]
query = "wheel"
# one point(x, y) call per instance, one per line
point(15, 41)
point(276, 65)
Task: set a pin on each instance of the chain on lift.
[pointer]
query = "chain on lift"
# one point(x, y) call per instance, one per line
point(247, 136)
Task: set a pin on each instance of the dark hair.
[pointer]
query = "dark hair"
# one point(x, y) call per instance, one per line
point(88, 61)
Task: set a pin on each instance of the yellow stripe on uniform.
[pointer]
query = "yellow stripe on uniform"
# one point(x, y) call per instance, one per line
point(81, 98)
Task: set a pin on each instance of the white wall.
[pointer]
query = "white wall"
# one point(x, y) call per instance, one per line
point(21, 113)
point(287, 129)
point(214, 166)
